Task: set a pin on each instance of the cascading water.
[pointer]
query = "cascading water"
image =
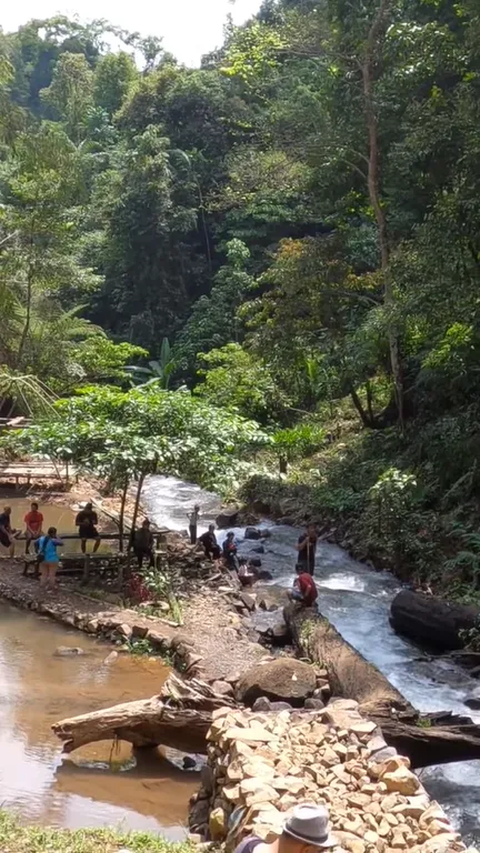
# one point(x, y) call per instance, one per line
point(357, 601)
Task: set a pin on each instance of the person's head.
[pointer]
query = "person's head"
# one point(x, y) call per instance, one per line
point(89, 506)
point(7, 510)
point(34, 506)
point(311, 529)
point(197, 508)
point(230, 536)
point(306, 830)
point(52, 532)
point(146, 523)
point(211, 528)
point(299, 569)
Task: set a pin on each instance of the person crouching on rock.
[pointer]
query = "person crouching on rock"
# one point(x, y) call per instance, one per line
point(209, 542)
point(304, 587)
point(230, 552)
point(246, 572)
point(306, 830)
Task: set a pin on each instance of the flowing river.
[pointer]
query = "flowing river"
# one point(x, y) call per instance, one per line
point(357, 601)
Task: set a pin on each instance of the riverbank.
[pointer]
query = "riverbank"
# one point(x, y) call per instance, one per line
point(213, 641)
point(15, 838)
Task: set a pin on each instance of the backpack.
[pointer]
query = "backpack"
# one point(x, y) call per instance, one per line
point(41, 552)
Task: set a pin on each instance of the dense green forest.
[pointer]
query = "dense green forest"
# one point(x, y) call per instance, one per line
point(279, 251)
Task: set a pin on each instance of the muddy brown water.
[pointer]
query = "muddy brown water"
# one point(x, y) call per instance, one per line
point(99, 785)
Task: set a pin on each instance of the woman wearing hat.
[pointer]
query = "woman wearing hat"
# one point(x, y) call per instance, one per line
point(305, 831)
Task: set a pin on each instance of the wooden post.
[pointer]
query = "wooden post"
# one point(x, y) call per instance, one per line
point(86, 569)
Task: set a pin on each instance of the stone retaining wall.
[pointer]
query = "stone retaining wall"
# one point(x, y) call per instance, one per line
point(262, 764)
point(117, 626)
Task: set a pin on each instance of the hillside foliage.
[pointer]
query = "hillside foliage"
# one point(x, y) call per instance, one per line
point(298, 219)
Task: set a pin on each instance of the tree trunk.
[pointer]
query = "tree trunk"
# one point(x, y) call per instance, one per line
point(350, 675)
point(141, 481)
point(121, 519)
point(148, 722)
point(179, 717)
point(28, 313)
point(361, 411)
point(439, 738)
point(368, 68)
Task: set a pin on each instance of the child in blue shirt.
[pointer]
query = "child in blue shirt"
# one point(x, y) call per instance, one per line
point(48, 557)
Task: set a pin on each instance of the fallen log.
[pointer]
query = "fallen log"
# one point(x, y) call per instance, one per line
point(349, 674)
point(426, 740)
point(146, 723)
point(179, 717)
point(431, 620)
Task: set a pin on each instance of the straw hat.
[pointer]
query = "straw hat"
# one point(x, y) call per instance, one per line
point(309, 823)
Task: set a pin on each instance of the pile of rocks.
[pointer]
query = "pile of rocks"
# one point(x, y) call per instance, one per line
point(260, 765)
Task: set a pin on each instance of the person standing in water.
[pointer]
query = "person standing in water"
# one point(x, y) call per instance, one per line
point(48, 557)
point(193, 524)
point(306, 547)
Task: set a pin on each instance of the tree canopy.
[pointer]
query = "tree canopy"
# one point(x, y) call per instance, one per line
point(299, 218)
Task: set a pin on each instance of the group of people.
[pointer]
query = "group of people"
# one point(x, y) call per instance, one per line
point(304, 590)
point(86, 521)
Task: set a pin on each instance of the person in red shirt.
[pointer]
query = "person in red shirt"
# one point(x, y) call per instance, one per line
point(33, 525)
point(304, 588)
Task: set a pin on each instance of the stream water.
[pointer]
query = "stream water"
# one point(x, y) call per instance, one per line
point(102, 784)
point(357, 601)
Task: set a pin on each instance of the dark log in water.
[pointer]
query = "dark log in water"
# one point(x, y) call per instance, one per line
point(433, 739)
point(430, 620)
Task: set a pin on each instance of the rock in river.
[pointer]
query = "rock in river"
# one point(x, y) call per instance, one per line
point(227, 517)
point(284, 679)
point(67, 651)
point(252, 533)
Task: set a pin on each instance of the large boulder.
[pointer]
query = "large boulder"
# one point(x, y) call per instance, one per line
point(284, 680)
point(252, 533)
point(228, 517)
point(431, 620)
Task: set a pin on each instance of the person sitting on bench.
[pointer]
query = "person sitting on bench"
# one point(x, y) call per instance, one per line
point(87, 521)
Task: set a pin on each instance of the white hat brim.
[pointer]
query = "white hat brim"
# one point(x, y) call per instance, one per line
point(329, 841)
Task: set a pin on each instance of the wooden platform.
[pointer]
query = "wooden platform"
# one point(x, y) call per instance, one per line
point(28, 471)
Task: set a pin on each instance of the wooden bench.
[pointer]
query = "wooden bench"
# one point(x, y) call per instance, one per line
point(82, 564)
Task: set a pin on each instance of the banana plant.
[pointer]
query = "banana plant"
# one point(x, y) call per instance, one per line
point(159, 371)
